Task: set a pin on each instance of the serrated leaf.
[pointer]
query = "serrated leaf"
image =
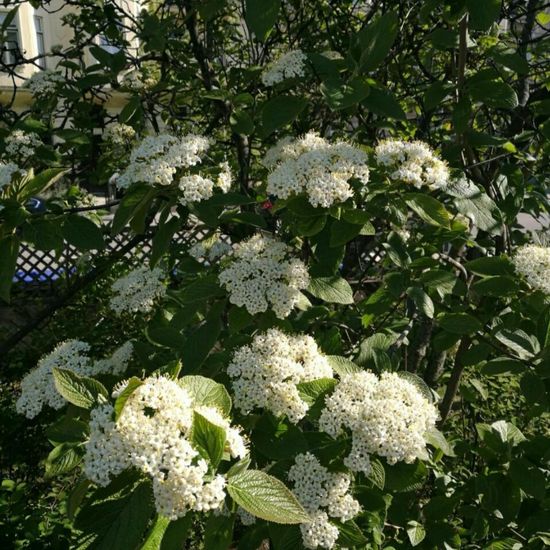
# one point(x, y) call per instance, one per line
point(428, 208)
point(415, 532)
point(131, 386)
point(331, 289)
point(208, 438)
point(342, 365)
point(261, 16)
point(459, 323)
point(206, 392)
point(63, 458)
point(79, 390)
point(436, 439)
point(266, 497)
point(280, 111)
point(422, 301)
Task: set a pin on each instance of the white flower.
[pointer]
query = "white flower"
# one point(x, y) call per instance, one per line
point(323, 494)
point(413, 163)
point(195, 188)
point(225, 177)
point(386, 416)
point(211, 249)
point(533, 262)
point(261, 274)
point(116, 364)
point(312, 166)
point(289, 65)
point(153, 434)
point(22, 145)
point(138, 81)
point(119, 134)
point(38, 388)
point(266, 372)
point(138, 291)
point(44, 83)
point(157, 159)
point(7, 172)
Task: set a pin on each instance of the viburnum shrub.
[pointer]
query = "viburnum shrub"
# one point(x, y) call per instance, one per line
point(312, 367)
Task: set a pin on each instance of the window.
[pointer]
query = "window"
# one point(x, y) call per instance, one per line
point(11, 50)
point(40, 43)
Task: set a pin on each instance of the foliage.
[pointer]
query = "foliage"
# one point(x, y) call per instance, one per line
point(412, 265)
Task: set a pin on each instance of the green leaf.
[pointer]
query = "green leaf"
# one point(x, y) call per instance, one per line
point(81, 391)
point(483, 14)
point(162, 238)
point(131, 386)
point(383, 103)
point(153, 540)
point(261, 16)
point(247, 218)
point(331, 289)
point(218, 532)
point(241, 123)
point(67, 430)
point(476, 205)
point(266, 497)
point(342, 365)
point(498, 265)
point(200, 290)
point(443, 39)
point(493, 93)
point(208, 438)
point(314, 389)
point(459, 323)
point(415, 532)
point(502, 366)
point(341, 232)
point(82, 233)
point(422, 301)
point(177, 533)
point(350, 535)
point(206, 392)
point(377, 474)
point(9, 251)
point(529, 478)
point(403, 477)
point(376, 39)
point(39, 183)
point(341, 95)
point(280, 111)
point(436, 439)
point(136, 198)
point(428, 208)
point(63, 458)
point(496, 286)
point(117, 522)
point(524, 345)
point(199, 343)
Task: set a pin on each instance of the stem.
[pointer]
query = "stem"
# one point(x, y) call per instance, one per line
point(454, 381)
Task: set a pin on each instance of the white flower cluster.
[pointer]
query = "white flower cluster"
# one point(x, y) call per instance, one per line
point(312, 166)
point(289, 65)
point(323, 495)
point(265, 373)
point(211, 250)
point(119, 134)
point(413, 163)
point(7, 172)
point(387, 416)
point(21, 144)
point(533, 262)
point(152, 434)
point(44, 83)
point(157, 159)
point(260, 273)
point(38, 388)
point(138, 81)
point(137, 291)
